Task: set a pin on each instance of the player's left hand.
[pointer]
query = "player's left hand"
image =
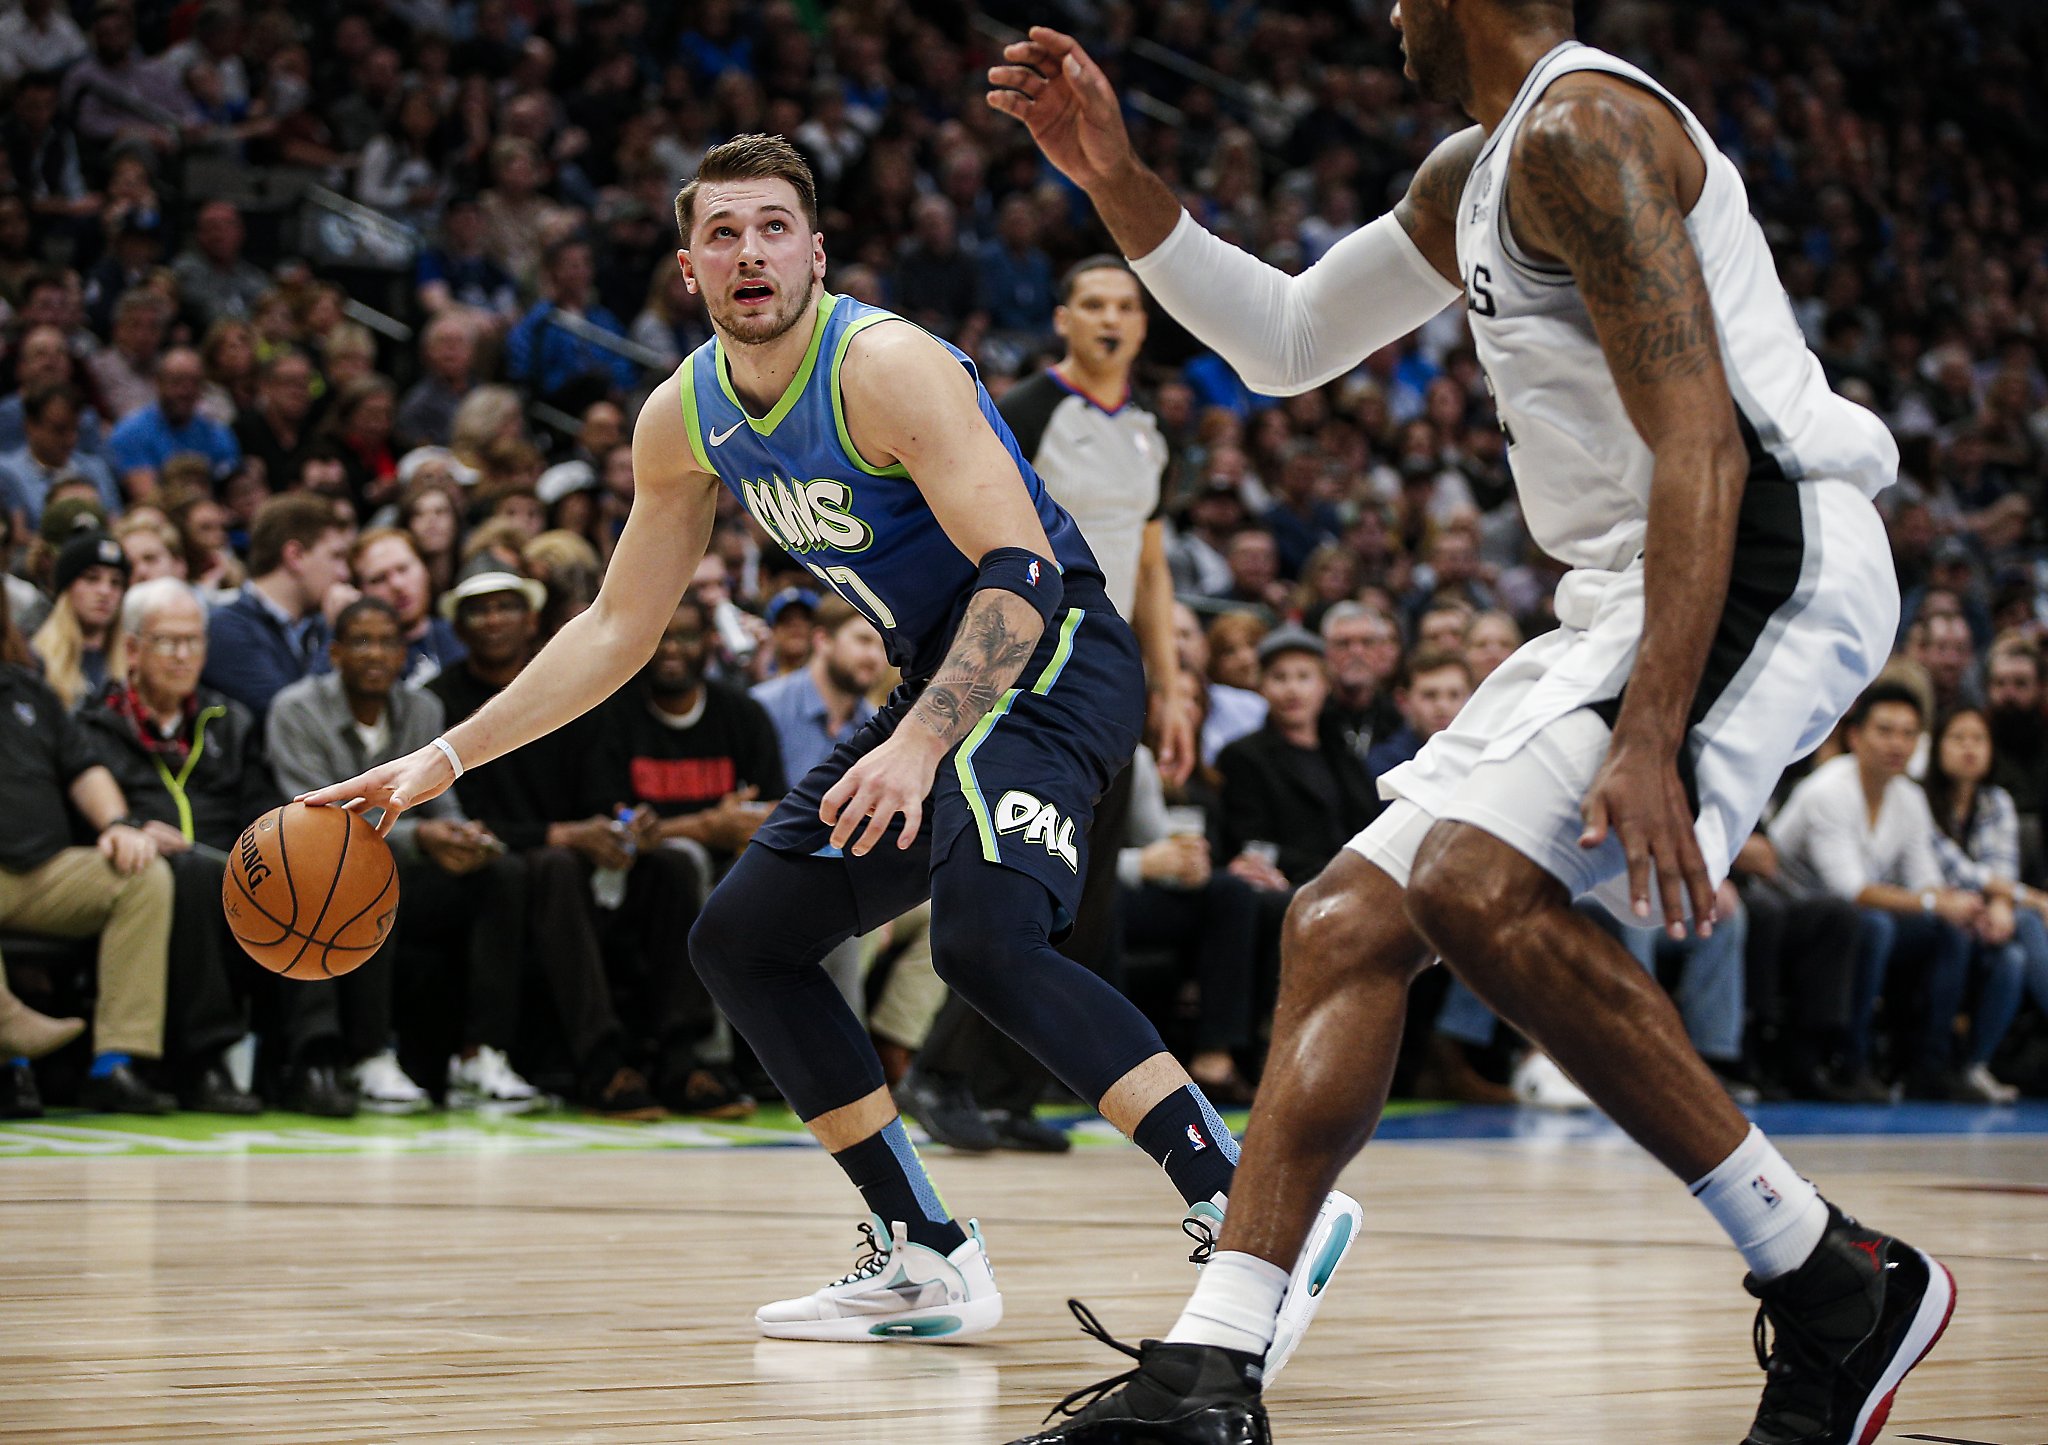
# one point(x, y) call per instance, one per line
point(1637, 796)
point(895, 778)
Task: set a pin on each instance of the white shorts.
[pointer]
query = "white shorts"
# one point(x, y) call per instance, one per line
point(1813, 606)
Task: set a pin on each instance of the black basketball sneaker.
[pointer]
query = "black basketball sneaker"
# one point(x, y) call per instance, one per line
point(1178, 1395)
point(1844, 1328)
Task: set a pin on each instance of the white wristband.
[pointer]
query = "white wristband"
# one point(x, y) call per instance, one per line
point(448, 751)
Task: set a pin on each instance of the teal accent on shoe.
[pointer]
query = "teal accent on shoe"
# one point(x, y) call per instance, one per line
point(926, 1329)
point(1333, 1251)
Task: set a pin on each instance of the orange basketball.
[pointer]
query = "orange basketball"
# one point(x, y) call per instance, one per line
point(310, 892)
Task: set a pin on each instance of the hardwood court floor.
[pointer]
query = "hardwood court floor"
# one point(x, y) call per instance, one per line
point(1523, 1291)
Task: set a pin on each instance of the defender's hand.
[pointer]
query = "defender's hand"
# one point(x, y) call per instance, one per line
point(1171, 722)
point(1637, 796)
point(1067, 103)
point(895, 778)
point(394, 786)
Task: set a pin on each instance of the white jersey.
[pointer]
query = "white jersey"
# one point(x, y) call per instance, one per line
point(1581, 470)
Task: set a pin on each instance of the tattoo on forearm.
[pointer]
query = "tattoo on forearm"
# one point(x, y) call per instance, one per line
point(1589, 189)
point(988, 652)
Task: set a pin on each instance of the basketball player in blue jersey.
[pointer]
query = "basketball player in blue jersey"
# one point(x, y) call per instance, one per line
point(869, 450)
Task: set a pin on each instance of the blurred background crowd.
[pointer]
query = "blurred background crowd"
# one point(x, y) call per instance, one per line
point(323, 328)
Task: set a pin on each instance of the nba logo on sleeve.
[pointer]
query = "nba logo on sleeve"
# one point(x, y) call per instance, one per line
point(1195, 1138)
point(1763, 1189)
point(1031, 574)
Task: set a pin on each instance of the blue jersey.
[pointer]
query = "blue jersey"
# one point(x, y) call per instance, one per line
point(865, 531)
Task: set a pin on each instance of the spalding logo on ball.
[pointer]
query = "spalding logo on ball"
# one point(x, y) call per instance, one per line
point(310, 892)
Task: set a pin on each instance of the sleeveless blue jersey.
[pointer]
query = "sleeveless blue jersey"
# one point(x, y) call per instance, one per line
point(864, 531)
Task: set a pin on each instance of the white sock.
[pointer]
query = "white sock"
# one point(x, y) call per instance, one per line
point(1774, 1216)
point(1234, 1305)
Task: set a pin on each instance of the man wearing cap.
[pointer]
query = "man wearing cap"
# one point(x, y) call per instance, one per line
point(148, 438)
point(189, 763)
point(1199, 550)
point(815, 707)
point(573, 478)
point(1293, 793)
point(426, 414)
point(790, 614)
point(50, 424)
point(275, 632)
point(538, 800)
point(387, 565)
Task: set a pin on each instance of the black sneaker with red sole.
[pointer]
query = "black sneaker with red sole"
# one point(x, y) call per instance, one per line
point(1844, 1329)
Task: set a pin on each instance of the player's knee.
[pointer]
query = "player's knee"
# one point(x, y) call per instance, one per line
point(718, 938)
point(1335, 931)
point(1467, 892)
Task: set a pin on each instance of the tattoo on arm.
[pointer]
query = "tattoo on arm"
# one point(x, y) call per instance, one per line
point(1589, 188)
point(995, 640)
point(1439, 183)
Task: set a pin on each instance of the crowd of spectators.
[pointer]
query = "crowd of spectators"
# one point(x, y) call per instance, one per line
point(322, 332)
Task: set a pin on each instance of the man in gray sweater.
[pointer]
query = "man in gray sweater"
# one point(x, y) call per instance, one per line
point(455, 878)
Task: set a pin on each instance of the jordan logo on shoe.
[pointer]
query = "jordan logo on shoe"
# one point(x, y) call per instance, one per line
point(1869, 1247)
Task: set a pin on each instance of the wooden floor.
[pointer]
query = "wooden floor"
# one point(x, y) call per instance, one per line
point(1521, 1291)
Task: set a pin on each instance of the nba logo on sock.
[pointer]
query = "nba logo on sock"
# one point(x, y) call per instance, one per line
point(1031, 574)
point(1195, 1138)
point(1763, 1189)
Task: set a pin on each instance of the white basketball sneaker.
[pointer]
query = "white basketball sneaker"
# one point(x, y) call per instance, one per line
point(487, 1080)
point(383, 1087)
point(1540, 1084)
point(897, 1291)
point(1329, 1240)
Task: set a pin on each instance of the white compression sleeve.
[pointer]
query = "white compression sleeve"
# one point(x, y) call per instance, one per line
point(1285, 334)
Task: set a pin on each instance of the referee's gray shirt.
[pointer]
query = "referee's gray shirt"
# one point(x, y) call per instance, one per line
point(1107, 468)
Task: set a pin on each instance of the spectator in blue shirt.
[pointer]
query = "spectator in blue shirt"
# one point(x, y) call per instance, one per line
point(50, 421)
point(275, 632)
point(148, 438)
point(549, 359)
point(1016, 275)
point(457, 277)
point(816, 707)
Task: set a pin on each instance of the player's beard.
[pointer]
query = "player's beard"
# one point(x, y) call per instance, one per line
point(759, 331)
point(842, 679)
point(1436, 53)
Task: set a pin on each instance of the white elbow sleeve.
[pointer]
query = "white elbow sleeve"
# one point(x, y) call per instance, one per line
point(1285, 334)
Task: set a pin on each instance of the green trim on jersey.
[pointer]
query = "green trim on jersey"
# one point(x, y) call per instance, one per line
point(963, 760)
point(686, 392)
point(894, 469)
point(791, 394)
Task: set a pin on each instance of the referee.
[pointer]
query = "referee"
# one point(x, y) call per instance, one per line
point(1103, 459)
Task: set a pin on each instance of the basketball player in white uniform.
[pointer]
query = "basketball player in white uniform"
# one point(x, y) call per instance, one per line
point(1673, 440)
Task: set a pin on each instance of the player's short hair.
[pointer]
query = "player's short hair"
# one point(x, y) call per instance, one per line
point(750, 158)
point(1102, 261)
point(1882, 691)
point(300, 517)
point(1426, 660)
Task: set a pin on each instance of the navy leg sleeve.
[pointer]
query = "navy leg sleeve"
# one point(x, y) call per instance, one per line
point(992, 941)
point(757, 944)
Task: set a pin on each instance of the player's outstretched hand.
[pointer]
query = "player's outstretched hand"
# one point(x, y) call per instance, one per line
point(1068, 104)
point(395, 786)
point(1638, 797)
point(895, 778)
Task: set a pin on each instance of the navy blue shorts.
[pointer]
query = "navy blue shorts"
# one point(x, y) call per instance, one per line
point(1018, 791)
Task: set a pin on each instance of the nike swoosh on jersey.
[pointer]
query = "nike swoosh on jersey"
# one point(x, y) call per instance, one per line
point(718, 437)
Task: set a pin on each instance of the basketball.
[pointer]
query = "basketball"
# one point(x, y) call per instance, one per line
point(310, 892)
